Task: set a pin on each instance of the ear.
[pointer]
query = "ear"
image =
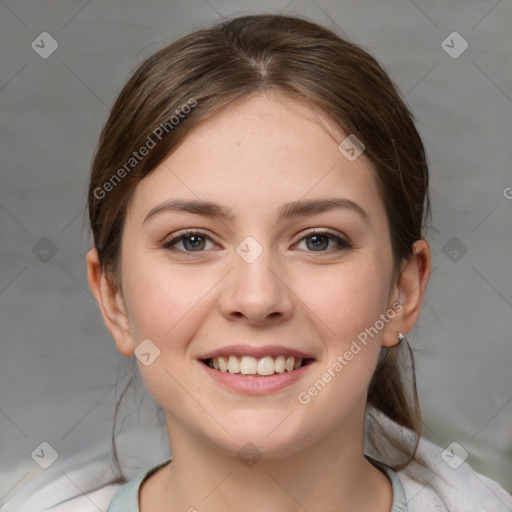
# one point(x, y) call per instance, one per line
point(408, 293)
point(111, 302)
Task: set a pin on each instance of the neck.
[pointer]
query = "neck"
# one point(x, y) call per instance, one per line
point(331, 473)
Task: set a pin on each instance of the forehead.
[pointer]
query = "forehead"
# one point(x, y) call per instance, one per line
point(257, 154)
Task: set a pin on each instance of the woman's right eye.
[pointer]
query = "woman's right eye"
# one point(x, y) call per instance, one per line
point(191, 241)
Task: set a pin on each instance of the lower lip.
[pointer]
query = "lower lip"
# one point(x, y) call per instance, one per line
point(254, 384)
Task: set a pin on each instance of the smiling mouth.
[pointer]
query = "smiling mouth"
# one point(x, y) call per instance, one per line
point(258, 367)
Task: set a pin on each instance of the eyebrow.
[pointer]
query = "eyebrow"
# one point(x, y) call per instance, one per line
point(287, 211)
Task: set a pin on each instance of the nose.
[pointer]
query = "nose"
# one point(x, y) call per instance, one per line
point(256, 292)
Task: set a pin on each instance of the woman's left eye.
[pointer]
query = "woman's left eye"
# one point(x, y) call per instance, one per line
point(319, 241)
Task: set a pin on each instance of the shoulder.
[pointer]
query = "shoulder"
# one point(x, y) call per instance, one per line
point(59, 497)
point(84, 482)
point(452, 487)
point(445, 483)
point(95, 501)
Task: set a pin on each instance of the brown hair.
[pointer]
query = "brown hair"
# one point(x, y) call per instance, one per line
point(211, 68)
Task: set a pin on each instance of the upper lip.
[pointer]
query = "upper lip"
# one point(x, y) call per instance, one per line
point(260, 351)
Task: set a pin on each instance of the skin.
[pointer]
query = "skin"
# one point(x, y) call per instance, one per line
point(253, 157)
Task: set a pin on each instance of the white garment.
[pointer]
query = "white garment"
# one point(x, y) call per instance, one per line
point(60, 487)
point(454, 490)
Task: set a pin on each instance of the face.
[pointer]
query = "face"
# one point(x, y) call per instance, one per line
point(282, 273)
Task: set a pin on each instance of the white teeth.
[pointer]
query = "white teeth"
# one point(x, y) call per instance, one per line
point(266, 366)
point(247, 365)
point(279, 364)
point(233, 364)
point(223, 363)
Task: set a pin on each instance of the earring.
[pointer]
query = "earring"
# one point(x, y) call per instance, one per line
point(401, 337)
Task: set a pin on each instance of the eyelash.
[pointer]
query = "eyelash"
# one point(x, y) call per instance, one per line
point(342, 244)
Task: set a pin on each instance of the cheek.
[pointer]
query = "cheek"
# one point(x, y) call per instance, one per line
point(346, 299)
point(167, 308)
point(347, 304)
point(163, 304)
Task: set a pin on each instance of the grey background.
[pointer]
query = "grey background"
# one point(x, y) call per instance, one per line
point(59, 366)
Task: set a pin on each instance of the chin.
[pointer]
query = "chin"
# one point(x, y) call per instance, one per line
point(269, 436)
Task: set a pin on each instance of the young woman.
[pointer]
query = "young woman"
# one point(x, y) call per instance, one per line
point(258, 203)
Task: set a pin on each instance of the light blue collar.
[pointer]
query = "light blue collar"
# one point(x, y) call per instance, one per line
point(126, 498)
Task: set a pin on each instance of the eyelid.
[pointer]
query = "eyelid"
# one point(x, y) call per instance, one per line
point(322, 231)
point(175, 238)
point(342, 240)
